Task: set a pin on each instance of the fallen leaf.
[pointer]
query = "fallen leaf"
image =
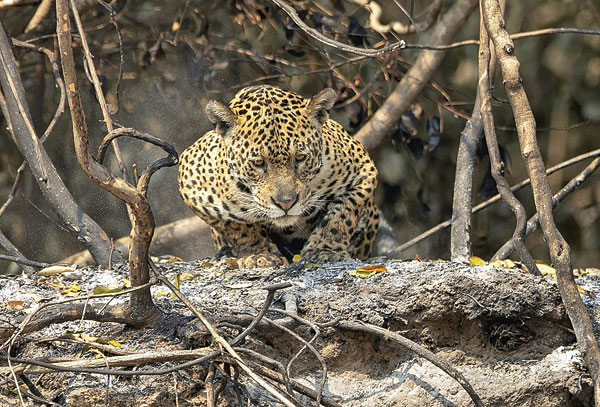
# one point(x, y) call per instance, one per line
point(586, 292)
point(15, 305)
point(114, 343)
point(232, 263)
point(88, 338)
point(102, 289)
point(174, 259)
point(187, 276)
point(545, 269)
point(367, 271)
point(72, 290)
point(476, 261)
point(206, 265)
point(296, 258)
point(54, 270)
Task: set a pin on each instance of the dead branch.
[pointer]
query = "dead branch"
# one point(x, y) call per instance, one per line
point(45, 174)
point(560, 251)
point(18, 257)
point(516, 36)
point(94, 365)
point(485, 204)
point(167, 239)
point(462, 201)
point(32, 322)
point(496, 163)
point(227, 346)
point(533, 222)
point(417, 350)
point(141, 305)
point(371, 134)
point(290, 11)
point(40, 15)
point(299, 387)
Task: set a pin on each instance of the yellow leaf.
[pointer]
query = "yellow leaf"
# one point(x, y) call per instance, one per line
point(590, 271)
point(126, 283)
point(88, 338)
point(174, 259)
point(175, 26)
point(54, 270)
point(378, 268)
point(476, 261)
point(546, 269)
point(367, 271)
point(206, 265)
point(161, 293)
point(72, 289)
point(232, 263)
point(586, 292)
point(102, 289)
point(296, 258)
point(114, 343)
point(15, 305)
point(186, 276)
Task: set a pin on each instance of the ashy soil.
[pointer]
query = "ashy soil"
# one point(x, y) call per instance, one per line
point(506, 331)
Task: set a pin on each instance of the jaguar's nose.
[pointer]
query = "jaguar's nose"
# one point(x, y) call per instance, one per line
point(285, 202)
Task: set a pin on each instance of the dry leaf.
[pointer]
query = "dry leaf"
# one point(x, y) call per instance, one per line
point(476, 261)
point(102, 289)
point(15, 305)
point(367, 271)
point(54, 270)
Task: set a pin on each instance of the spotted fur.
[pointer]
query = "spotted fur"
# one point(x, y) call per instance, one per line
point(277, 177)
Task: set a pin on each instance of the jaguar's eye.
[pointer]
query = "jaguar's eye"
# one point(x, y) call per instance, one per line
point(300, 157)
point(258, 163)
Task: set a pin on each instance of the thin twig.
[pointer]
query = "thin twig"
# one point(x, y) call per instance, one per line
point(98, 88)
point(222, 342)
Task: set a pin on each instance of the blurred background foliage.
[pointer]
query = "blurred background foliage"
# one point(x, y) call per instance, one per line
point(180, 54)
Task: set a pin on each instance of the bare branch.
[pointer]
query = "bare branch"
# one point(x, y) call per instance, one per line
point(533, 222)
point(560, 251)
point(371, 134)
point(417, 350)
point(51, 186)
point(493, 200)
point(290, 11)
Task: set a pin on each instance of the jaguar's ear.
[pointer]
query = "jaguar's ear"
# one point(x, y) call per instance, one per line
point(320, 104)
point(221, 117)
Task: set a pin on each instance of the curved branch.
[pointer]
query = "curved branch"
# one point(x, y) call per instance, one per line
point(417, 350)
point(496, 163)
point(141, 304)
point(533, 222)
point(290, 11)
